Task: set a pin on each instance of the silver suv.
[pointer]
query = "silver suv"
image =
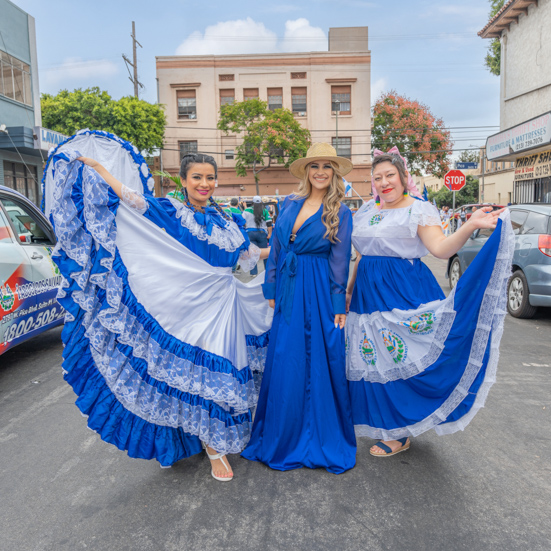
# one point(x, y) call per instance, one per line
point(530, 284)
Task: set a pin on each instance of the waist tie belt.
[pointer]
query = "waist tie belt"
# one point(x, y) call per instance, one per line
point(287, 273)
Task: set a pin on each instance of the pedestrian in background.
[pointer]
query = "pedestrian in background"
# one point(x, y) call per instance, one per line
point(234, 207)
point(259, 226)
point(462, 217)
point(303, 417)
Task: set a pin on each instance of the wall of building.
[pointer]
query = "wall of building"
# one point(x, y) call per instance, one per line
point(17, 147)
point(526, 66)
point(315, 71)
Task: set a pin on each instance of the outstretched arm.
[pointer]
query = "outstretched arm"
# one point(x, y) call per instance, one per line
point(124, 193)
point(444, 247)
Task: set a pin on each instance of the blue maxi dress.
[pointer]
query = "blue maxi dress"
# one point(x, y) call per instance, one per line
point(303, 418)
point(417, 360)
point(163, 346)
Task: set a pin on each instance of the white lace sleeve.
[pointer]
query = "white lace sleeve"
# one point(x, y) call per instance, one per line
point(249, 258)
point(423, 213)
point(133, 199)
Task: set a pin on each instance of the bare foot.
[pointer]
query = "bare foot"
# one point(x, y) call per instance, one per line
point(395, 445)
point(219, 465)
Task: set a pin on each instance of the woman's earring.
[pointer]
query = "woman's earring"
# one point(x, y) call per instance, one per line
point(377, 200)
point(405, 191)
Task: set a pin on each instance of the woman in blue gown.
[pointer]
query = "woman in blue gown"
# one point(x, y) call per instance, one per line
point(303, 418)
point(162, 344)
point(417, 360)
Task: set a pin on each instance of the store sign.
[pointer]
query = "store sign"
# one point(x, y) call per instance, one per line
point(533, 166)
point(46, 139)
point(528, 135)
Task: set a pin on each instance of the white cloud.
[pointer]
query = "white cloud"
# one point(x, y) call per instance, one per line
point(377, 88)
point(246, 36)
point(300, 36)
point(75, 69)
point(243, 36)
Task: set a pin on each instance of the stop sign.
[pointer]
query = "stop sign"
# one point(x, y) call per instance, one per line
point(454, 180)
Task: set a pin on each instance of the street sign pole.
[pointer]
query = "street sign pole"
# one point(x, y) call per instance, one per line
point(454, 224)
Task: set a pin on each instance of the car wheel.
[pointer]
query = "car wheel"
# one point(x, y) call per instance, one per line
point(518, 304)
point(455, 272)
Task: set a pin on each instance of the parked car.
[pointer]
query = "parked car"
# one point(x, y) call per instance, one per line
point(454, 220)
point(28, 277)
point(530, 284)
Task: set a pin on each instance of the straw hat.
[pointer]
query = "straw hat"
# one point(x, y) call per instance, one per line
point(320, 151)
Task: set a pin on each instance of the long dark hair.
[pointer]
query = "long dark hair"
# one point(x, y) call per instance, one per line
point(258, 211)
point(196, 158)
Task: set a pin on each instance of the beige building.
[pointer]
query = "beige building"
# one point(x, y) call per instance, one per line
point(325, 90)
point(522, 26)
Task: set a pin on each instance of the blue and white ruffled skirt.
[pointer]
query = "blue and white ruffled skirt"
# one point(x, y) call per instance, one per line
point(164, 351)
point(417, 360)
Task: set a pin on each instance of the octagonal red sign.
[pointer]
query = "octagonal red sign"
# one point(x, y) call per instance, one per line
point(454, 180)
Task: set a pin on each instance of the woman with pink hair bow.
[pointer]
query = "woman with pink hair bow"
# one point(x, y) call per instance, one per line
point(417, 360)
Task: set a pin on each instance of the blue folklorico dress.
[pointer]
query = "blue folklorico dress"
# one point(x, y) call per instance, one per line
point(303, 417)
point(162, 343)
point(417, 360)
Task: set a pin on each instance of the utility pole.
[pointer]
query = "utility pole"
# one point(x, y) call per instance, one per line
point(134, 76)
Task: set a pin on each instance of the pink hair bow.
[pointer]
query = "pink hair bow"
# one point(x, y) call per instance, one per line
point(411, 187)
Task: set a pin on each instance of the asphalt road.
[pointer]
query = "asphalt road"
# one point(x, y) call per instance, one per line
point(489, 487)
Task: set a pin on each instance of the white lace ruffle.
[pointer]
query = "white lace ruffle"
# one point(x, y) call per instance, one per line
point(134, 200)
point(423, 213)
point(249, 258)
point(490, 322)
point(229, 238)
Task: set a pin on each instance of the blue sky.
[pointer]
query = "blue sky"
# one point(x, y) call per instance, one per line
point(427, 50)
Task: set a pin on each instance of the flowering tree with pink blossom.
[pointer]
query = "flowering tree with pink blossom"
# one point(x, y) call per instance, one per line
point(268, 137)
point(421, 138)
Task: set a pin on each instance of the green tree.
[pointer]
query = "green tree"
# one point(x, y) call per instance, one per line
point(267, 136)
point(132, 119)
point(469, 156)
point(468, 195)
point(421, 138)
point(493, 57)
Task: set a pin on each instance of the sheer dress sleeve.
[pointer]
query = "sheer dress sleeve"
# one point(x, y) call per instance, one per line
point(248, 258)
point(133, 199)
point(339, 262)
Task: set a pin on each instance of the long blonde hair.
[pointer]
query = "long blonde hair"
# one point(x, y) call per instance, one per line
point(331, 201)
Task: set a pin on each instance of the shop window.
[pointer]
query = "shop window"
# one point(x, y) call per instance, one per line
point(187, 147)
point(275, 98)
point(298, 98)
point(22, 178)
point(343, 147)
point(340, 100)
point(15, 79)
point(227, 97)
point(187, 104)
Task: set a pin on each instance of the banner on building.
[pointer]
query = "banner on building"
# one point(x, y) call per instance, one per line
point(533, 167)
point(528, 135)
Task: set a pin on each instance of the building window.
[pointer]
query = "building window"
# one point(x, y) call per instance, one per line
point(15, 79)
point(227, 97)
point(250, 93)
point(186, 148)
point(187, 104)
point(23, 179)
point(275, 98)
point(298, 97)
point(343, 147)
point(340, 100)
point(229, 154)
